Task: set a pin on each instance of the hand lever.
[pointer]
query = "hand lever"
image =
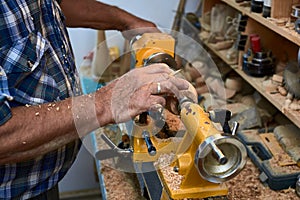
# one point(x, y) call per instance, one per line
point(235, 128)
point(149, 144)
point(221, 116)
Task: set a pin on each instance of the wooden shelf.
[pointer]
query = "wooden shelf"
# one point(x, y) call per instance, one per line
point(221, 54)
point(291, 35)
point(276, 99)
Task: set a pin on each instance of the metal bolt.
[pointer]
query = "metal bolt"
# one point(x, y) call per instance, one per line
point(176, 169)
point(221, 158)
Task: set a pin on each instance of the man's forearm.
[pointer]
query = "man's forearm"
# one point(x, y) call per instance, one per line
point(97, 15)
point(36, 130)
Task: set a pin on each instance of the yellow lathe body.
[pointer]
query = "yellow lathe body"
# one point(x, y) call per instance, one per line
point(153, 46)
point(205, 157)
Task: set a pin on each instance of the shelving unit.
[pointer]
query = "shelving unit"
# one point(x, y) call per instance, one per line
point(289, 41)
point(276, 99)
point(293, 36)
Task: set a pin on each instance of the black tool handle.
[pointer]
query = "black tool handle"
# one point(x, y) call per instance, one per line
point(150, 147)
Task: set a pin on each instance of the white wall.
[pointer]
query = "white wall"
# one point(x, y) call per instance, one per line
point(162, 13)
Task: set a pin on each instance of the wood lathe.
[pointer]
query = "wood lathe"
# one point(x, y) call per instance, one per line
point(202, 156)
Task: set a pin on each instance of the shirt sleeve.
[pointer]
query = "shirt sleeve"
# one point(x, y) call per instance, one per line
point(5, 111)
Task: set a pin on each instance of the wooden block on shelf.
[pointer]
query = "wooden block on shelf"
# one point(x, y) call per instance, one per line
point(278, 78)
point(281, 9)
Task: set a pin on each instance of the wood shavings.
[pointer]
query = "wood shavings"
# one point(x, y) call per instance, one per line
point(176, 140)
point(172, 178)
point(279, 21)
point(119, 185)
point(164, 160)
point(277, 78)
point(282, 90)
point(286, 105)
point(172, 127)
point(246, 185)
point(294, 106)
point(278, 163)
point(269, 86)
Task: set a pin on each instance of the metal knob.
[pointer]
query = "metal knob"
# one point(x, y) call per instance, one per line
point(221, 116)
point(218, 154)
point(235, 128)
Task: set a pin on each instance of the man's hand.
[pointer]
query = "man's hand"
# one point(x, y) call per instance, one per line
point(139, 27)
point(142, 89)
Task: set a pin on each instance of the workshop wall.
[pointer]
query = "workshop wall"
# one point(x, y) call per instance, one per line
point(81, 176)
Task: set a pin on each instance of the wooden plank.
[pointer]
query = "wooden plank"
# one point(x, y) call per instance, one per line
point(279, 155)
point(276, 99)
point(271, 142)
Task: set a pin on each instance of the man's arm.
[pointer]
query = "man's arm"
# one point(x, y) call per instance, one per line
point(35, 130)
point(97, 15)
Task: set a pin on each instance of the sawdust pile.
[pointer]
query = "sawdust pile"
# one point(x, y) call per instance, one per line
point(172, 178)
point(247, 186)
point(121, 185)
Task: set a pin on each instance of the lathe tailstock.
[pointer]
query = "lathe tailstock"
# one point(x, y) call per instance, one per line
point(205, 157)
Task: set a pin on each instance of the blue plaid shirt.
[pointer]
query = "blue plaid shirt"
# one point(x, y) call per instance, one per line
point(36, 66)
